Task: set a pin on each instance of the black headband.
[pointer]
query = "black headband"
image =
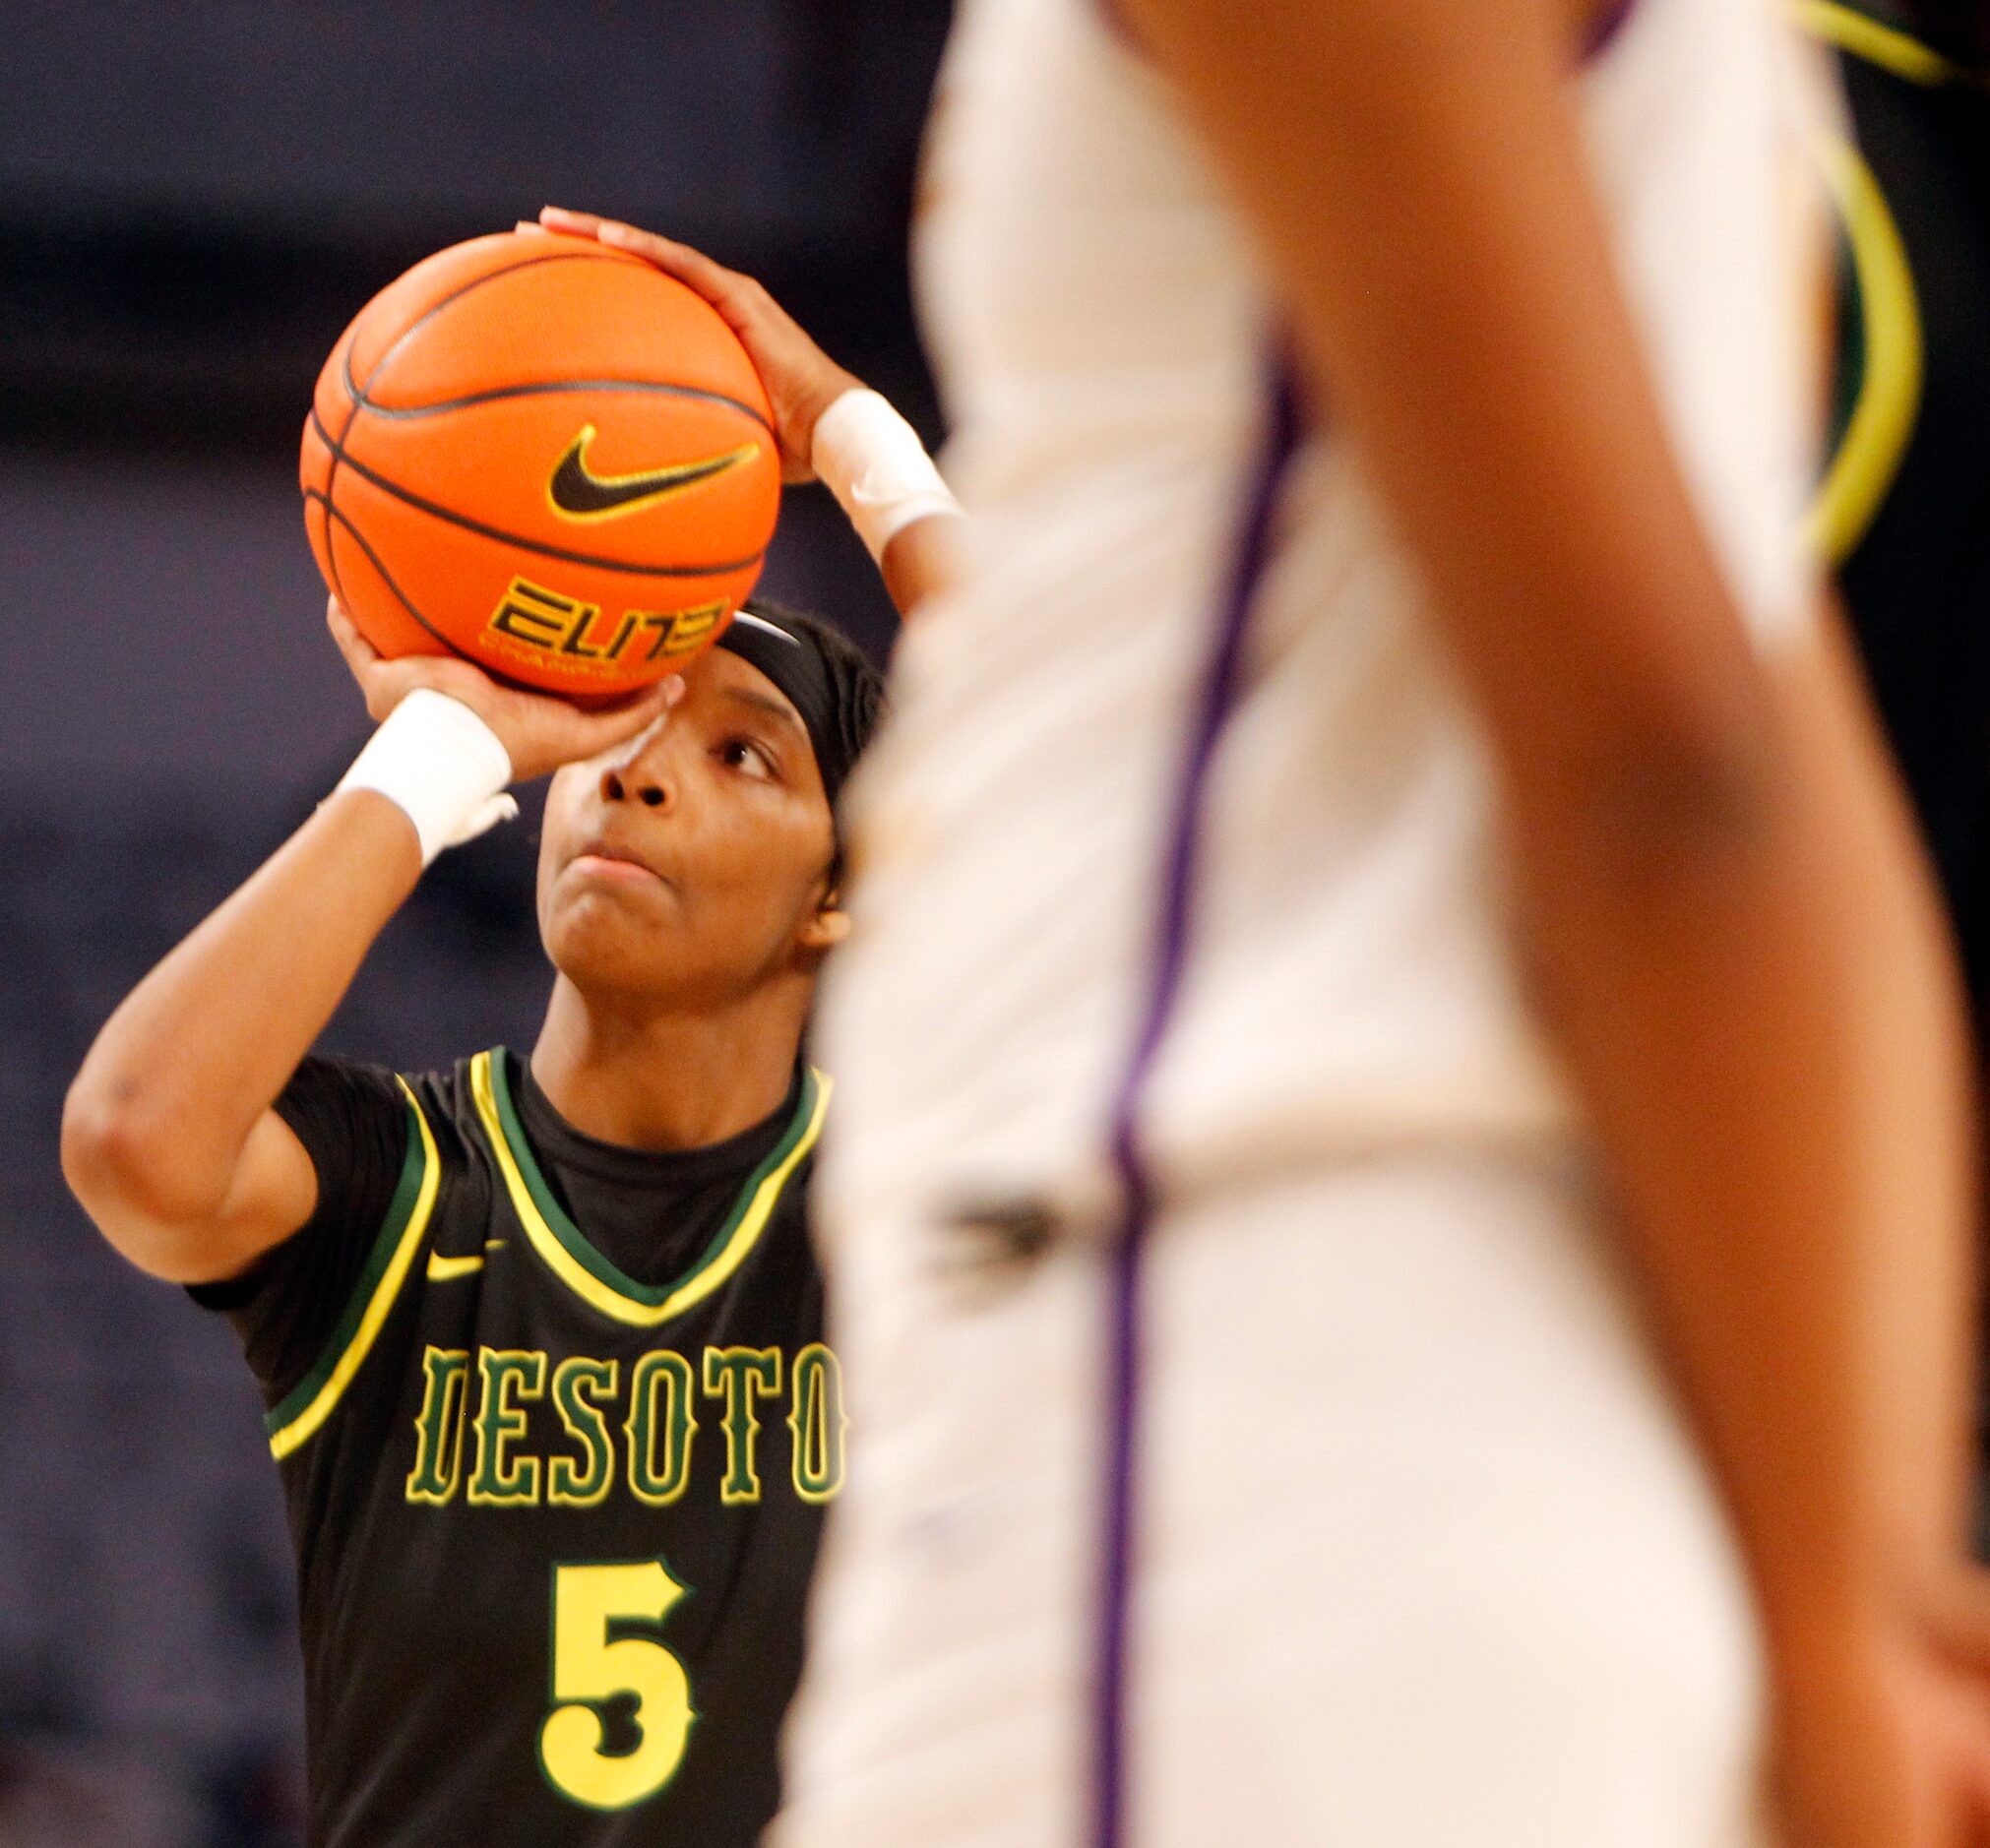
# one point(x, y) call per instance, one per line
point(794, 662)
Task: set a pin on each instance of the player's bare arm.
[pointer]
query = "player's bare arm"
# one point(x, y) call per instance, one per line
point(1730, 930)
point(168, 1138)
point(917, 560)
point(922, 561)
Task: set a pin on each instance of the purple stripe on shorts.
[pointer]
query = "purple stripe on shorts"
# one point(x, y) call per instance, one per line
point(1216, 694)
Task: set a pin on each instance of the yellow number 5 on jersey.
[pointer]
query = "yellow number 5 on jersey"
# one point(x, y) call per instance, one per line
point(589, 1668)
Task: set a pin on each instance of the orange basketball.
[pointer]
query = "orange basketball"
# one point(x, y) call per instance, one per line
point(543, 454)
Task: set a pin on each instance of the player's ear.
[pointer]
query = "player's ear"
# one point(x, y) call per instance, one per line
point(827, 924)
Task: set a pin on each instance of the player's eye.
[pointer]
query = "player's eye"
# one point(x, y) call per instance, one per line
point(749, 758)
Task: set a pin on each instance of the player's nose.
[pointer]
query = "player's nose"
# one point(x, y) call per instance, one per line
point(646, 781)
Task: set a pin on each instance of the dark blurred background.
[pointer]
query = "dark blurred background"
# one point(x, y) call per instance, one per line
point(195, 197)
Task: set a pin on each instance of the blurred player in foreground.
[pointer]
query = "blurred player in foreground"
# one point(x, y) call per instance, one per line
point(540, 1338)
point(1397, 1213)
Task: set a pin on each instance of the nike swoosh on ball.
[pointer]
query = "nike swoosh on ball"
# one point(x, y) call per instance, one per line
point(577, 491)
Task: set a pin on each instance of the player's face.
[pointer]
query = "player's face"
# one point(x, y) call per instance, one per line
point(695, 867)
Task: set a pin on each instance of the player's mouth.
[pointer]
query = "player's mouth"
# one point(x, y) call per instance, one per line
point(613, 864)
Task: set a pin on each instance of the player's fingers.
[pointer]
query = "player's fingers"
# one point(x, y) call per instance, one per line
point(743, 302)
point(559, 218)
point(359, 651)
point(604, 729)
point(383, 683)
point(693, 268)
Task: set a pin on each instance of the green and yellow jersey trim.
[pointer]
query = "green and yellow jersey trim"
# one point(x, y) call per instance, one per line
point(565, 1249)
point(296, 1419)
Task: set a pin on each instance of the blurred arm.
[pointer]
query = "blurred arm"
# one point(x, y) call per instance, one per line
point(1731, 932)
point(922, 561)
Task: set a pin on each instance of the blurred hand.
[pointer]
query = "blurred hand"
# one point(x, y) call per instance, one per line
point(802, 380)
point(1883, 1736)
point(540, 731)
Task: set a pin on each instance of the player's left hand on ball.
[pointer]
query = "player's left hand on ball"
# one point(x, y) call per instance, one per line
point(540, 732)
point(802, 380)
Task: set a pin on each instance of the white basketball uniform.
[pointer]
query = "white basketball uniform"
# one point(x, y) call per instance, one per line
point(1254, 1440)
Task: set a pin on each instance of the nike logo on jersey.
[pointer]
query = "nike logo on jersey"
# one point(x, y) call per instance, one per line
point(575, 492)
point(441, 1270)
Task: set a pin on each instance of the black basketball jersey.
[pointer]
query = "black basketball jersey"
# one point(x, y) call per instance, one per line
point(554, 1524)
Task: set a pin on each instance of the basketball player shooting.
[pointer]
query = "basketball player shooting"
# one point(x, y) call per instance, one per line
point(540, 1338)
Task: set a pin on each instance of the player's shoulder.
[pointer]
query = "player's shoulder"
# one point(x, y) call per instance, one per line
point(441, 1119)
point(781, 1184)
point(462, 1107)
point(794, 1152)
point(445, 1169)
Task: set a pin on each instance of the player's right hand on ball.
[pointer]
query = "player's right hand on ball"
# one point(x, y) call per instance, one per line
point(802, 380)
point(540, 732)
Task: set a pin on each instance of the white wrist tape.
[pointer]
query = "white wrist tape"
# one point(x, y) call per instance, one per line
point(441, 765)
point(873, 461)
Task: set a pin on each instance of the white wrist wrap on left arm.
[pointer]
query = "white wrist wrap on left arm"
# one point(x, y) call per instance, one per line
point(874, 464)
point(441, 765)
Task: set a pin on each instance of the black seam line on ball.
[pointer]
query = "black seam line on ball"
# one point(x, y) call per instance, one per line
point(412, 499)
point(453, 652)
point(434, 308)
point(330, 551)
point(324, 500)
point(358, 393)
point(549, 387)
point(333, 449)
point(386, 577)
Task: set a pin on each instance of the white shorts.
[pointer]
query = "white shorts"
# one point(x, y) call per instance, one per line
point(1423, 1556)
